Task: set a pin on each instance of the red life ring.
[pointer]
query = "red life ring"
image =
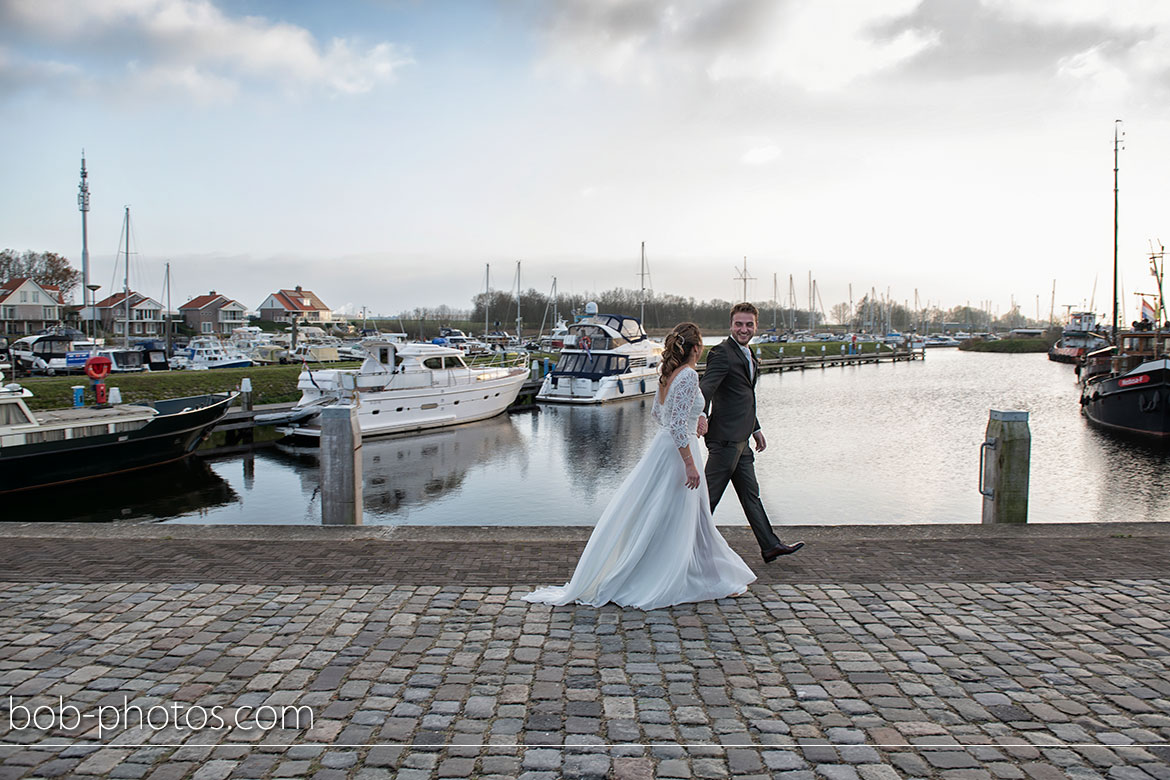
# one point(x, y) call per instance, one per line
point(98, 367)
point(585, 343)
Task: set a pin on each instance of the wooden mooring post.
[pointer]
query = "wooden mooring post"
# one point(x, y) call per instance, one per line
point(1004, 465)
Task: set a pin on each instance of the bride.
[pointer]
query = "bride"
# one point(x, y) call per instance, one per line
point(656, 543)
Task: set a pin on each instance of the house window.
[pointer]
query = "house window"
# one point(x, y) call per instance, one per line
point(24, 296)
point(36, 297)
point(49, 313)
point(9, 312)
point(207, 327)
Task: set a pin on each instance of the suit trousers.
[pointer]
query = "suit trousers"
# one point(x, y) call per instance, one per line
point(735, 462)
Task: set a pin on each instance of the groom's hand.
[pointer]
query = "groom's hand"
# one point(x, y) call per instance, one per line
point(758, 437)
point(702, 428)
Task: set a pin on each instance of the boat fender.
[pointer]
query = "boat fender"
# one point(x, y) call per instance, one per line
point(642, 386)
point(621, 387)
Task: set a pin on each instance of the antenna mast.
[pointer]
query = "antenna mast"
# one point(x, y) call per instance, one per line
point(83, 205)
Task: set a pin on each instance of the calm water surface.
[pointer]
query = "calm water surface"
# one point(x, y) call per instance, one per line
point(888, 443)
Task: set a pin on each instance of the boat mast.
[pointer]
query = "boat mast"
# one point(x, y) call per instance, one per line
point(1117, 137)
point(774, 296)
point(83, 205)
point(126, 285)
point(743, 277)
point(642, 296)
point(487, 296)
point(167, 316)
point(518, 341)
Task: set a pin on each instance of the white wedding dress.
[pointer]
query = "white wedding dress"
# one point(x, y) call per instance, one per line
point(656, 543)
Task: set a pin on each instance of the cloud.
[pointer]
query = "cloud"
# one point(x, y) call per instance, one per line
point(193, 47)
point(761, 155)
point(814, 45)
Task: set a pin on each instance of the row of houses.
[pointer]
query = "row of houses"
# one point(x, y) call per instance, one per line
point(27, 307)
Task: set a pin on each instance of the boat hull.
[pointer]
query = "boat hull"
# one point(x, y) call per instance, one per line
point(384, 412)
point(585, 390)
point(1137, 402)
point(181, 425)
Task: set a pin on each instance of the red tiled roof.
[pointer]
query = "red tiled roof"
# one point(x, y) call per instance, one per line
point(290, 300)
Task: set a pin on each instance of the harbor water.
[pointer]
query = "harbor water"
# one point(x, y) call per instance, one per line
point(877, 443)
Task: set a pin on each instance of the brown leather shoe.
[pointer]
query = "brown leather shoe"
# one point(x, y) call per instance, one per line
point(781, 549)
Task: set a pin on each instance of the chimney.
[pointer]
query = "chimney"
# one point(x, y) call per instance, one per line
point(298, 288)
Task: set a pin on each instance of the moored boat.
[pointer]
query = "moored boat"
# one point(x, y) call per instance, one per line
point(1078, 339)
point(402, 387)
point(38, 449)
point(1127, 388)
point(611, 357)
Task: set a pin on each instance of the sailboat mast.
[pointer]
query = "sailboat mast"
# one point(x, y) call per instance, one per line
point(487, 296)
point(642, 297)
point(167, 316)
point(1117, 136)
point(126, 285)
point(518, 340)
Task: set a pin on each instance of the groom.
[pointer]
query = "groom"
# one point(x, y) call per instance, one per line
point(729, 390)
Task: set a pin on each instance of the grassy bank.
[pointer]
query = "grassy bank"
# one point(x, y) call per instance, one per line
point(1005, 345)
point(270, 385)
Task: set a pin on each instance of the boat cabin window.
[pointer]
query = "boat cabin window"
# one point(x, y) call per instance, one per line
point(1143, 343)
point(13, 414)
point(435, 363)
point(55, 347)
point(592, 364)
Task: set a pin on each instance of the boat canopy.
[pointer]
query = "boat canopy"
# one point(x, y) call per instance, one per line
point(628, 328)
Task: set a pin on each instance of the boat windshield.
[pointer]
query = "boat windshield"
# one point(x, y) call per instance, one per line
point(56, 347)
point(578, 364)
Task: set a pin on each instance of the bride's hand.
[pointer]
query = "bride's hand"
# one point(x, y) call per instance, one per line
point(692, 476)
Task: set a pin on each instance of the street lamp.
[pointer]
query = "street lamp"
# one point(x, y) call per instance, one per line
point(93, 288)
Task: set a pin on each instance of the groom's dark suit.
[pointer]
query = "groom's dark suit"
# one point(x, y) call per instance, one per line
point(729, 393)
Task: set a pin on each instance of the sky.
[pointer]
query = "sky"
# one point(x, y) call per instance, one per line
point(385, 153)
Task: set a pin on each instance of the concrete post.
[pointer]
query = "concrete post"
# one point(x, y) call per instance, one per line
point(341, 466)
point(1005, 462)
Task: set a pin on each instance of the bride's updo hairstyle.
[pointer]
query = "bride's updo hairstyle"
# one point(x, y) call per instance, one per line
point(678, 345)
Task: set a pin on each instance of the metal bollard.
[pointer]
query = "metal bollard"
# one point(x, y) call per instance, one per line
point(341, 466)
point(246, 394)
point(1004, 465)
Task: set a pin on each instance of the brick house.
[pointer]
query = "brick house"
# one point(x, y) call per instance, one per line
point(213, 314)
point(303, 305)
point(146, 315)
point(27, 306)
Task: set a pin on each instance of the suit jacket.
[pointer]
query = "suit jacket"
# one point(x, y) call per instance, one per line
point(729, 393)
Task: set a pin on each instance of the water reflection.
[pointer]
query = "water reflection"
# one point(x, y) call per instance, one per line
point(599, 444)
point(863, 444)
point(157, 493)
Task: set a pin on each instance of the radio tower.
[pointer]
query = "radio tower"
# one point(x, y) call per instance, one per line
point(83, 205)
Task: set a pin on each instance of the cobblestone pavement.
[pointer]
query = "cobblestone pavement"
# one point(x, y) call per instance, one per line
point(956, 678)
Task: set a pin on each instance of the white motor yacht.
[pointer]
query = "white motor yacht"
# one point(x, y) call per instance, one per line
point(611, 357)
point(205, 352)
point(403, 387)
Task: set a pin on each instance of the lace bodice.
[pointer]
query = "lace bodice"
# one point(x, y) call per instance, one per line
point(679, 411)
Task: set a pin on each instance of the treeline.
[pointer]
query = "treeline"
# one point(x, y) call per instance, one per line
point(662, 311)
point(42, 267)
